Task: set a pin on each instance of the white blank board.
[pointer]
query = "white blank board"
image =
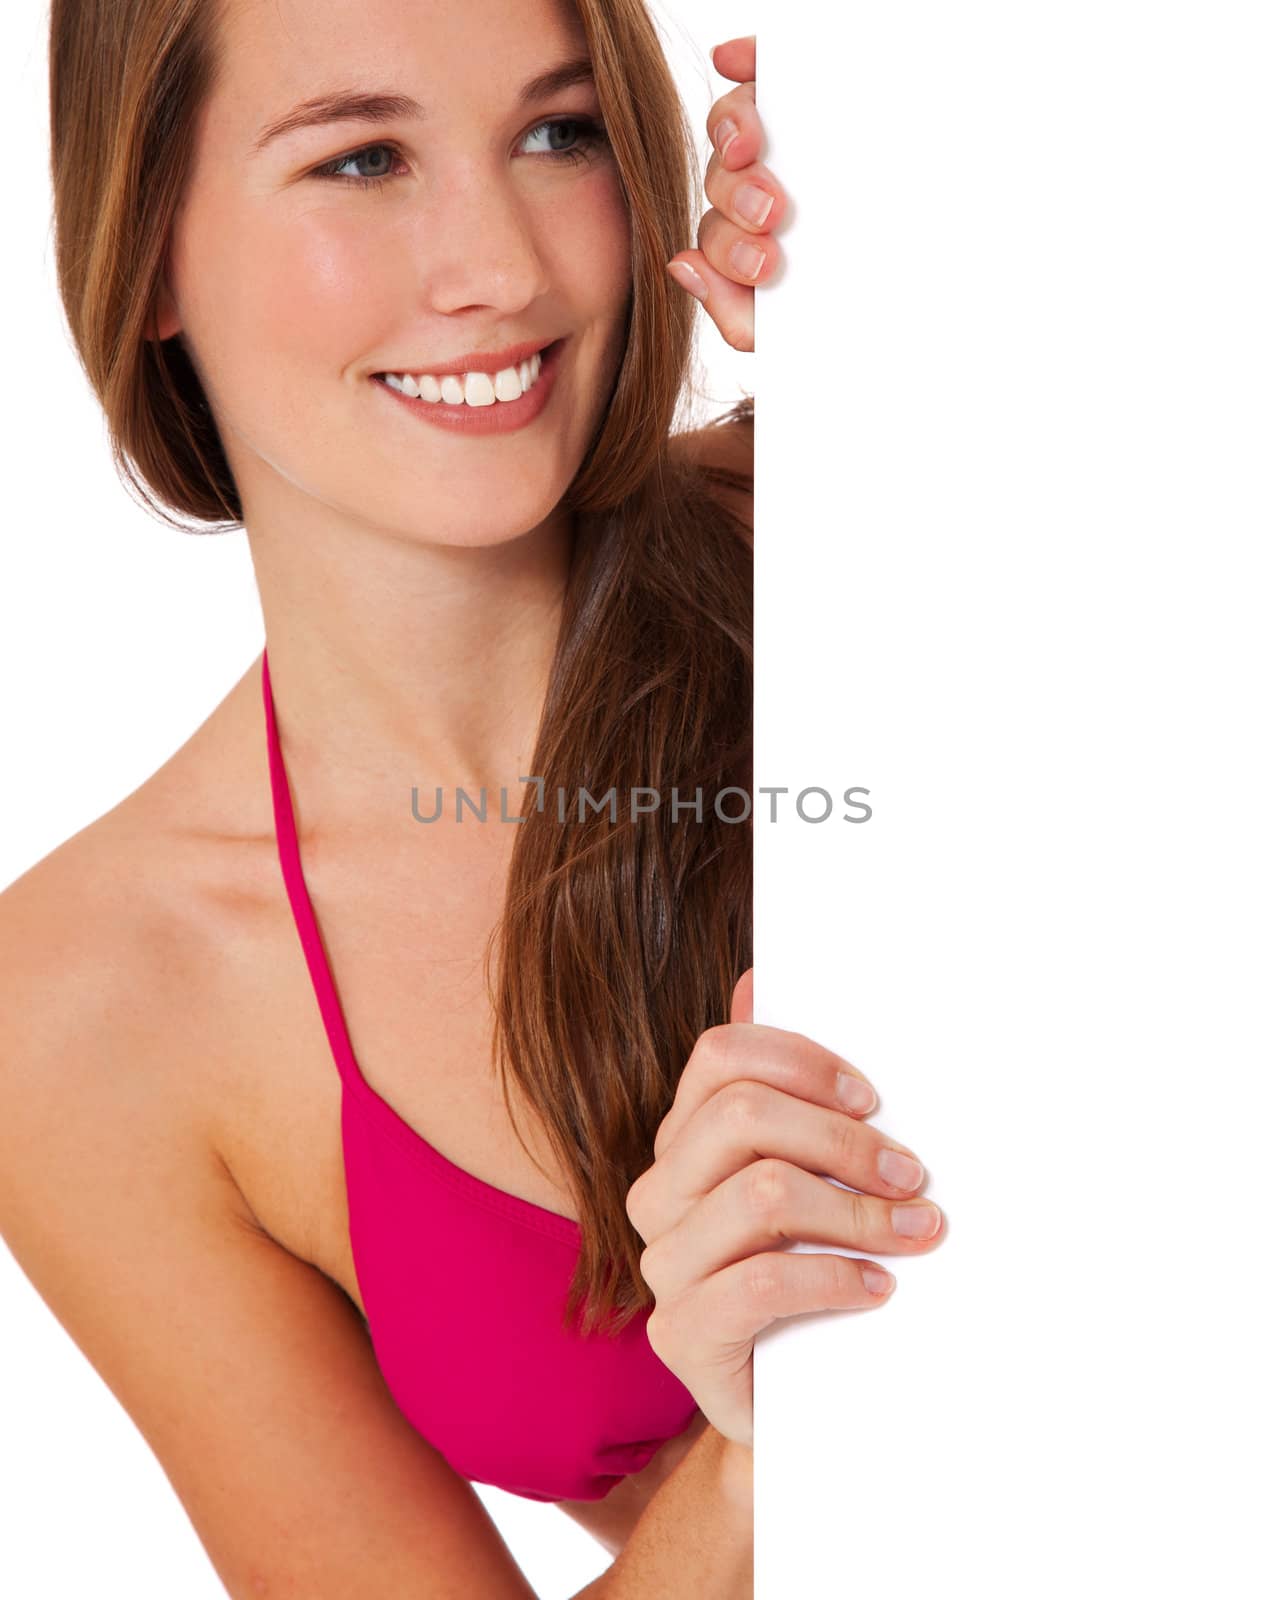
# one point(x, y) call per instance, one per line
point(1015, 517)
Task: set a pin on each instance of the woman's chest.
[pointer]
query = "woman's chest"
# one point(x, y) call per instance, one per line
point(418, 1017)
point(391, 1165)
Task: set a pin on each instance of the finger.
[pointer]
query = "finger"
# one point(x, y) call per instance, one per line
point(750, 197)
point(770, 1204)
point(736, 58)
point(735, 128)
point(748, 1122)
point(743, 1299)
point(729, 306)
point(744, 258)
point(786, 1060)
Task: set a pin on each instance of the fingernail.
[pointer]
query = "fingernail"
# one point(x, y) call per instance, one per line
point(876, 1281)
point(854, 1093)
point(746, 258)
point(916, 1222)
point(689, 278)
point(753, 204)
point(723, 135)
point(900, 1171)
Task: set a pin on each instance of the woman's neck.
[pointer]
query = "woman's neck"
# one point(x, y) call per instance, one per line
point(416, 663)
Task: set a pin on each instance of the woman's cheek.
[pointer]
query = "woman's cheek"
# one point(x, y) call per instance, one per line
point(320, 293)
point(596, 221)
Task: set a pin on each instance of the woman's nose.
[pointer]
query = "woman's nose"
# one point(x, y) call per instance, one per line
point(483, 243)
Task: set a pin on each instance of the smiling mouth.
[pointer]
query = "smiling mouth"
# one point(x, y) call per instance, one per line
point(475, 389)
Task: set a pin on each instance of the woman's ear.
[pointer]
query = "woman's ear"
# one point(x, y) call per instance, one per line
point(165, 320)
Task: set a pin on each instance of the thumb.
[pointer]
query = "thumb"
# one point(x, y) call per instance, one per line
point(742, 998)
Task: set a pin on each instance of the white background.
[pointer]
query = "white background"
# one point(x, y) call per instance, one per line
point(118, 636)
point(1015, 518)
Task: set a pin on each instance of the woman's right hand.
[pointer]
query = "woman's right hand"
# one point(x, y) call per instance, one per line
point(759, 1116)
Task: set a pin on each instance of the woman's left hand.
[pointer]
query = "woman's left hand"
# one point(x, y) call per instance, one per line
point(735, 250)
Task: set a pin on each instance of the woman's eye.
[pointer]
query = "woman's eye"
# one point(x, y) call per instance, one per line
point(569, 139)
point(589, 135)
point(382, 168)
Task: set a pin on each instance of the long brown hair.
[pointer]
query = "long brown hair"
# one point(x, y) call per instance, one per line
point(620, 941)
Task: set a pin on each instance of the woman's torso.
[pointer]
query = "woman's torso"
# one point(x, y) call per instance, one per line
point(405, 932)
point(405, 925)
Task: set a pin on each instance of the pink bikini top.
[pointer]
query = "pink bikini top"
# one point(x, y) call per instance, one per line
point(464, 1285)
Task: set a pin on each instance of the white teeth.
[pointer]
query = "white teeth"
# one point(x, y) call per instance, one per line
point(469, 388)
point(508, 385)
point(479, 390)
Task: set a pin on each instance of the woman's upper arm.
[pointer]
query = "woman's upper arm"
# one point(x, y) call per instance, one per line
point(249, 1373)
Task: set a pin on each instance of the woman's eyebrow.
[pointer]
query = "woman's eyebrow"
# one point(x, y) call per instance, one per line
point(384, 105)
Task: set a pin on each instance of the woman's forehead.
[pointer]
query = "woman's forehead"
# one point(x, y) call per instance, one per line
point(300, 40)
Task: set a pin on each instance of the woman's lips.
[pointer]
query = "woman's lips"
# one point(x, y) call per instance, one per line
point(502, 416)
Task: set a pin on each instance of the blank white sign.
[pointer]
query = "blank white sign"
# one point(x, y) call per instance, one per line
point(1015, 517)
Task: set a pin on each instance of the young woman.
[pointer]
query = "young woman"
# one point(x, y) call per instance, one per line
point(367, 1148)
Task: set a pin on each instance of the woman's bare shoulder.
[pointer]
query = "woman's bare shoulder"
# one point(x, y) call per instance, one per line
point(723, 450)
point(113, 947)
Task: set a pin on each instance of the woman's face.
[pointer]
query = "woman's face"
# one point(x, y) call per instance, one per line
point(446, 230)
